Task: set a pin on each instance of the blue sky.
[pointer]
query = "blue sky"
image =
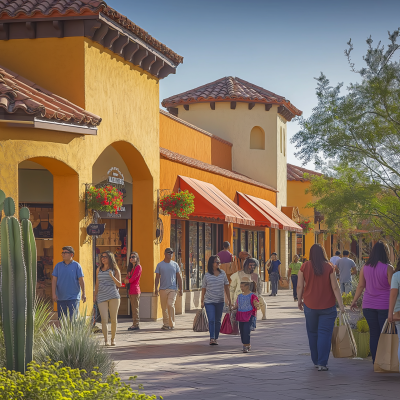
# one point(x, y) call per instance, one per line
point(279, 45)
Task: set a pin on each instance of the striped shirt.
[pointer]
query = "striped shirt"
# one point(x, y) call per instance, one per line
point(214, 286)
point(107, 287)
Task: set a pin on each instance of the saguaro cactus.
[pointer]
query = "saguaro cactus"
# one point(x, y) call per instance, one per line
point(18, 286)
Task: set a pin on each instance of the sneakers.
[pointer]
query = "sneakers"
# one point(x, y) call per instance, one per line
point(322, 368)
point(165, 328)
point(133, 328)
point(246, 349)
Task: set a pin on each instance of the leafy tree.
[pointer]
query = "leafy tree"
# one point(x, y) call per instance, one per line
point(354, 137)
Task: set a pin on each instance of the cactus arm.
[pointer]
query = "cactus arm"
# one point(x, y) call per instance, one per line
point(31, 271)
point(8, 295)
point(20, 290)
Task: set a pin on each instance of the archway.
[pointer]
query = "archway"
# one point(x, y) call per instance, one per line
point(50, 189)
point(138, 217)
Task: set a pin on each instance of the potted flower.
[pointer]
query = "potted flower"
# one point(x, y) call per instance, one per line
point(307, 225)
point(108, 199)
point(362, 337)
point(178, 204)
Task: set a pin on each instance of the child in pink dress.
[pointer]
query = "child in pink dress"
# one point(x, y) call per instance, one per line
point(246, 305)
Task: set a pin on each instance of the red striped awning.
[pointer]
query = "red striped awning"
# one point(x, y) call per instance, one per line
point(210, 202)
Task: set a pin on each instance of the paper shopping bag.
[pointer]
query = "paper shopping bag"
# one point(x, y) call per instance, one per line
point(343, 343)
point(200, 323)
point(386, 359)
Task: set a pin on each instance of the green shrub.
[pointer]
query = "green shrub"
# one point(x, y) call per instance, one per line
point(362, 326)
point(2, 348)
point(41, 322)
point(347, 299)
point(74, 344)
point(55, 382)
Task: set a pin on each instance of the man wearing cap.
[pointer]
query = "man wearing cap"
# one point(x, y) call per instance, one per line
point(169, 277)
point(67, 284)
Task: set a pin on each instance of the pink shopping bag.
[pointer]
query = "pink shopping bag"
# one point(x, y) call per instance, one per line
point(226, 326)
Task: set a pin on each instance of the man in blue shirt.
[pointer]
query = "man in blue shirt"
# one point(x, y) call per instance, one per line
point(274, 273)
point(169, 277)
point(67, 284)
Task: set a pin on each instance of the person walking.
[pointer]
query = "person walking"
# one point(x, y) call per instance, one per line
point(394, 302)
point(335, 258)
point(225, 256)
point(67, 284)
point(246, 306)
point(345, 267)
point(375, 278)
point(273, 265)
point(317, 289)
point(215, 287)
point(132, 279)
point(294, 268)
point(169, 278)
point(108, 279)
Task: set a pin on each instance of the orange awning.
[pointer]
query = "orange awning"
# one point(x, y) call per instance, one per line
point(210, 202)
point(266, 214)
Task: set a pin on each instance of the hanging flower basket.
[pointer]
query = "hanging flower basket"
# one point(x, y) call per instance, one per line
point(108, 199)
point(178, 205)
point(307, 225)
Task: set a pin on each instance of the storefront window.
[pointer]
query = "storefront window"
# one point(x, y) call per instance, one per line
point(243, 244)
point(250, 247)
point(200, 270)
point(208, 244)
point(236, 241)
point(261, 253)
point(290, 255)
point(300, 245)
point(255, 238)
point(193, 253)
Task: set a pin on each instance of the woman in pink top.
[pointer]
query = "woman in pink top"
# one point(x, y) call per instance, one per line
point(132, 278)
point(375, 278)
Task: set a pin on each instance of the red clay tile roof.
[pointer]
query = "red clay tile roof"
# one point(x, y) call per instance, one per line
point(21, 9)
point(192, 162)
point(229, 89)
point(181, 121)
point(295, 173)
point(17, 93)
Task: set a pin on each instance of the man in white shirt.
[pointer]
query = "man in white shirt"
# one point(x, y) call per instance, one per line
point(335, 258)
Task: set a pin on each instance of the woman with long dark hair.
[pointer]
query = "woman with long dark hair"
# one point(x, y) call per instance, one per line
point(317, 289)
point(215, 283)
point(133, 280)
point(108, 279)
point(375, 278)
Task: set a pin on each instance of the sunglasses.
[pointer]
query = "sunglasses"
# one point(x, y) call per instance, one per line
point(104, 256)
point(66, 252)
point(132, 257)
point(169, 252)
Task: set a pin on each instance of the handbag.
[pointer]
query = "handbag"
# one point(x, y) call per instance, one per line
point(226, 326)
point(386, 359)
point(200, 322)
point(343, 342)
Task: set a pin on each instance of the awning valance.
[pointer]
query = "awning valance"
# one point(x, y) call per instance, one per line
point(266, 214)
point(210, 202)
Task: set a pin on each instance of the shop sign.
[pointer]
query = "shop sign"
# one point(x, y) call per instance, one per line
point(95, 229)
point(125, 212)
point(114, 175)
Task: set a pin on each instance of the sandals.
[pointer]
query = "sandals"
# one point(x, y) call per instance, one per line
point(213, 342)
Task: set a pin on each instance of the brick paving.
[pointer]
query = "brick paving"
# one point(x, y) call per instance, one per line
point(180, 364)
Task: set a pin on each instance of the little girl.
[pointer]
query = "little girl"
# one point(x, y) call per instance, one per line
point(246, 305)
point(394, 303)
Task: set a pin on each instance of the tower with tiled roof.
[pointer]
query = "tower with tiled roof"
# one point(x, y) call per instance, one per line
point(252, 118)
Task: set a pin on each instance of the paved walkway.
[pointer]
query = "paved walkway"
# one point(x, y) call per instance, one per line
point(180, 364)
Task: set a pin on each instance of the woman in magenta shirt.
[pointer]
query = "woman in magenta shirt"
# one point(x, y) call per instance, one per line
point(133, 278)
point(375, 278)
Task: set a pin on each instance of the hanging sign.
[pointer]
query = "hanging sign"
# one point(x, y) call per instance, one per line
point(114, 175)
point(95, 229)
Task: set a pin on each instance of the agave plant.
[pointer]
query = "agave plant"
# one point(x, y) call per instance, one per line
point(75, 345)
point(42, 312)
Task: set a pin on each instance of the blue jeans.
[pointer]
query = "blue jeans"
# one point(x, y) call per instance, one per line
point(345, 287)
point(274, 278)
point(294, 279)
point(245, 329)
point(375, 320)
point(71, 305)
point(214, 315)
point(320, 325)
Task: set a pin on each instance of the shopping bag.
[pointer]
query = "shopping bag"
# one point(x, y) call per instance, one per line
point(227, 268)
point(386, 359)
point(234, 323)
point(200, 322)
point(343, 342)
point(226, 326)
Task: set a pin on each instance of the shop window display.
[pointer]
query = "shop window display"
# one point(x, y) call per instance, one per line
point(176, 243)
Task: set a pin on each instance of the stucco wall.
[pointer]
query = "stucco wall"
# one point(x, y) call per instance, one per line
point(187, 141)
point(127, 99)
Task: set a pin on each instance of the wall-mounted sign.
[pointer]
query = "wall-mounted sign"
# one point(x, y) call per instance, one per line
point(95, 229)
point(114, 175)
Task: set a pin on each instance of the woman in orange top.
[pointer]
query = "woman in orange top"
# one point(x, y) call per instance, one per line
point(317, 289)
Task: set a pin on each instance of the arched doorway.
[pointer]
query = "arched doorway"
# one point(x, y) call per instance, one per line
point(50, 189)
point(133, 228)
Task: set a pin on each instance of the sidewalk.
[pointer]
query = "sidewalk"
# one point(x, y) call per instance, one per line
point(180, 364)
